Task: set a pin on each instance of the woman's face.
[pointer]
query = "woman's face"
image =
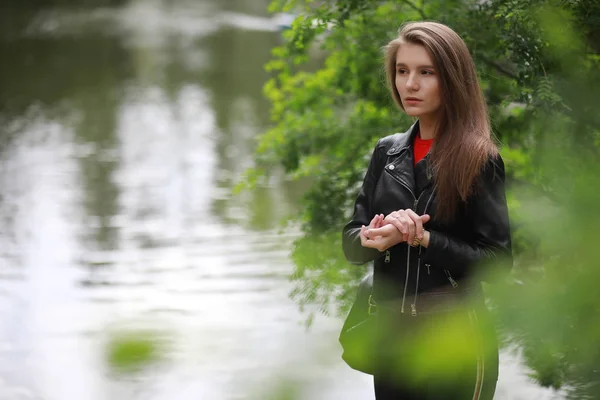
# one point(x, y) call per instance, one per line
point(417, 81)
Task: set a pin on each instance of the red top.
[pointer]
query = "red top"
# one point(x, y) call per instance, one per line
point(421, 148)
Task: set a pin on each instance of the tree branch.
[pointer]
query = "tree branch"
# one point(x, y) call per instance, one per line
point(504, 71)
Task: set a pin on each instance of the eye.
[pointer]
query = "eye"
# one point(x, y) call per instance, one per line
point(402, 71)
point(427, 72)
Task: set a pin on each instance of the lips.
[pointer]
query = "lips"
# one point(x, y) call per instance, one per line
point(412, 99)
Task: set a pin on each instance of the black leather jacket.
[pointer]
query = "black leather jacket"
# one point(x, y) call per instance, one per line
point(477, 237)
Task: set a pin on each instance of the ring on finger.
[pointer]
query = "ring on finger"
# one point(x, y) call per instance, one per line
point(416, 241)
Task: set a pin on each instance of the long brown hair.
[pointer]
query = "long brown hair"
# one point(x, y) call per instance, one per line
point(464, 140)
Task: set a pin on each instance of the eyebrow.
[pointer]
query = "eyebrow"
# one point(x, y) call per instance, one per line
point(418, 66)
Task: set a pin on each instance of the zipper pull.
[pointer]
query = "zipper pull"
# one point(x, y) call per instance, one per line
point(388, 256)
point(452, 281)
point(415, 204)
point(428, 272)
point(413, 310)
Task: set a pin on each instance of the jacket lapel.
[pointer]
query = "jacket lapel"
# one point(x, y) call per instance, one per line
point(423, 175)
point(401, 159)
point(401, 163)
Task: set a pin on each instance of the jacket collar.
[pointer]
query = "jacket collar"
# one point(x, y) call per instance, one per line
point(416, 178)
point(404, 141)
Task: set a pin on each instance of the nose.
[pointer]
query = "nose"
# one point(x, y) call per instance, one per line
point(412, 83)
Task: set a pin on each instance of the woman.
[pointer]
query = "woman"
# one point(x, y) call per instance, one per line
point(432, 215)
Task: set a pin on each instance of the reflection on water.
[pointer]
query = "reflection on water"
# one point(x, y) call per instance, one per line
point(122, 131)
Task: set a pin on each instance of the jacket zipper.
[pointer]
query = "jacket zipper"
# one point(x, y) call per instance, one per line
point(413, 306)
point(406, 280)
point(408, 255)
point(388, 256)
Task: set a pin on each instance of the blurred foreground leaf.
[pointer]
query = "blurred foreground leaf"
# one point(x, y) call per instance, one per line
point(132, 351)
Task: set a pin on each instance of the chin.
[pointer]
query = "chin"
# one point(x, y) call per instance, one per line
point(413, 113)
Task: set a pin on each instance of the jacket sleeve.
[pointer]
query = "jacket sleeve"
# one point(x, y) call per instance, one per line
point(363, 214)
point(488, 215)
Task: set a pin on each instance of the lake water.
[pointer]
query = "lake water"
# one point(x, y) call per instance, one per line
point(123, 130)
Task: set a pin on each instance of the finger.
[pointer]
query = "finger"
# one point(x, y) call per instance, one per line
point(418, 223)
point(376, 243)
point(383, 244)
point(386, 240)
point(370, 244)
point(374, 232)
point(396, 236)
point(403, 225)
point(373, 222)
point(384, 231)
point(391, 216)
point(389, 219)
point(395, 214)
point(425, 218)
point(367, 239)
point(412, 232)
point(396, 224)
point(363, 235)
point(410, 227)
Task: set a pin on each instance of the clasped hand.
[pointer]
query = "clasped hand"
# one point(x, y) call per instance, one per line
point(398, 227)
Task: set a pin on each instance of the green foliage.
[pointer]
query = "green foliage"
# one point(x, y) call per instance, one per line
point(132, 351)
point(322, 275)
point(553, 310)
point(539, 63)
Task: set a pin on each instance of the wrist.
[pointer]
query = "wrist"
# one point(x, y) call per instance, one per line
point(426, 237)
